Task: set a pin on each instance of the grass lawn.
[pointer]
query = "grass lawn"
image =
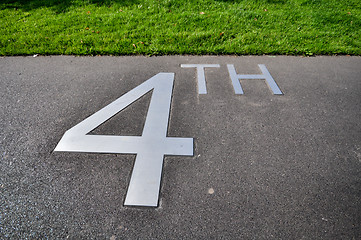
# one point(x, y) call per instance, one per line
point(156, 27)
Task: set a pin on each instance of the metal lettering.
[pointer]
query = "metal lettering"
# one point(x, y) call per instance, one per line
point(202, 89)
point(265, 75)
point(150, 147)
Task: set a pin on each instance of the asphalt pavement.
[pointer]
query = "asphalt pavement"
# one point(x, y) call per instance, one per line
point(263, 166)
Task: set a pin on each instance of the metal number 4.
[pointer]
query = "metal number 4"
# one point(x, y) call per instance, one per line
point(150, 148)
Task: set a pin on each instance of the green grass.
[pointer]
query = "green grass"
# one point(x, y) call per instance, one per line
point(155, 27)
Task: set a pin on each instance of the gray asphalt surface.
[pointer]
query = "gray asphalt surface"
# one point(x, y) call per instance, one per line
point(280, 167)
